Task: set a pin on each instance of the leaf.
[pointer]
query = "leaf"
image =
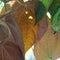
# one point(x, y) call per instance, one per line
point(48, 46)
point(53, 6)
point(41, 7)
point(55, 13)
point(29, 31)
point(40, 10)
point(11, 45)
point(56, 20)
point(43, 25)
point(47, 3)
point(1, 5)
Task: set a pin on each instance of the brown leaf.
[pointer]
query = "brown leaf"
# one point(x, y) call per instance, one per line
point(48, 46)
point(29, 31)
point(11, 47)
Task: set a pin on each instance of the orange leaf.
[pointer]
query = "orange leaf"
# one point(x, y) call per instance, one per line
point(29, 31)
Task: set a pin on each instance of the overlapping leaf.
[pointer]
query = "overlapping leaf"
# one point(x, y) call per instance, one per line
point(29, 31)
point(48, 47)
point(55, 13)
point(11, 43)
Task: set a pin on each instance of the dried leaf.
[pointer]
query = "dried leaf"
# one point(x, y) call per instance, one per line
point(11, 47)
point(29, 31)
point(48, 46)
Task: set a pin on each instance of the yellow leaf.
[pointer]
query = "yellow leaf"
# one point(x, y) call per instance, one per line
point(29, 31)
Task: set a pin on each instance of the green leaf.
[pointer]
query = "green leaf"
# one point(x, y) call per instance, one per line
point(53, 6)
point(39, 11)
point(42, 7)
point(55, 13)
point(56, 19)
point(46, 3)
point(1, 5)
